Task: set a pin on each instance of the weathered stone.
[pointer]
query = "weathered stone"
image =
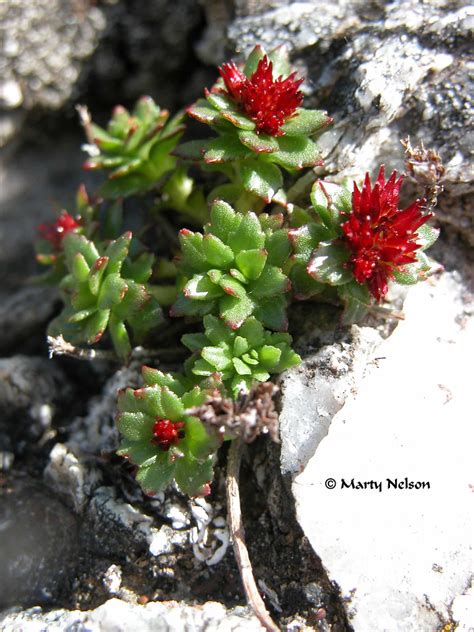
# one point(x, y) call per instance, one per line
point(38, 547)
point(400, 553)
point(313, 392)
point(24, 313)
point(30, 390)
point(118, 616)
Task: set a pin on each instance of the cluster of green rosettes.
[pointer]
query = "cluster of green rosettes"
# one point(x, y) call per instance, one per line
point(256, 253)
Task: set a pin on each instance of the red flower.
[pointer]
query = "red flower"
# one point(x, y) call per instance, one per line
point(167, 433)
point(267, 102)
point(55, 232)
point(380, 236)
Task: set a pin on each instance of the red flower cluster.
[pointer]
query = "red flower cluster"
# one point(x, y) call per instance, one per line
point(380, 235)
point(167, 433)
point(55, 232)
point(267, 102)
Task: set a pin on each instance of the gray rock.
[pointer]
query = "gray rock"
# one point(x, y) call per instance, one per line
point(55, 49)
point(30, 390)
point(24, 313)
point(38, 547)
point(401, 555)
point(119, 616)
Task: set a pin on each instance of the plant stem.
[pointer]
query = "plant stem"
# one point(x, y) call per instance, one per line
point(238, 537)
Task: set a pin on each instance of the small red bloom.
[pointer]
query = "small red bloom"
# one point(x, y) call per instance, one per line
point(55, 232)
point(380, 236)
point(267, 102)
point(167, 433)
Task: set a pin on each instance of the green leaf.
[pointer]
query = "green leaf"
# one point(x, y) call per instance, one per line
point(80, 269)
point(259, 143)
point(119, 336)
point(136, 426)
point(201, 367)
point(223, 220)
point(184, 306)
point(332, 203)
point(224, 149)
point(238, 120)
point(357, 300)
point(262, 179)
point(235, 310)
point(96, 274)
point(157, 476)
point(328, 264)
point(117, 252)
point(248, 235)
point(278, 246)
point(296, 152)
point(191, 150)
point(172, 407)
point(217, 252)
point(272, 312)
point(192, 257)
point(95, 326)
point(221, 101)
point(253, 332)
point(232, 287)
point(426, 236)
point(192, 398)
point(216, 330)
point(201, 288)
point(112, 291)
point(218, 357)
point(203, 112)
point(251, 64)
point(74, 243)
point(281, 62)
point(269, 356)
point(272, 281)
point(304, 286)
point(197, 441)
point(194, 342)
point(241, 367)
point(192, 475)
point(241, 345)
point(306, 122)
point(251, 262)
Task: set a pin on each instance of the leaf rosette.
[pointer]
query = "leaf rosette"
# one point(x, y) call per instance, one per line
point(104, 290)
point(239, 358)
point(135, 148)
point(161, 439)
point(234, 269)
point(258, 122)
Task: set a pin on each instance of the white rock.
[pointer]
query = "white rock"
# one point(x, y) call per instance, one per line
point(401, 556)
point(118, 616)
point(313, 392)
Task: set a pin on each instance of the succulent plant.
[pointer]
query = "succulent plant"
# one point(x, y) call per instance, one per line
point(239, 358)
point(360, 243)
point(161, 439)
point(235, 269)
point(135, 148)
point(105, 290)
point(259, 123)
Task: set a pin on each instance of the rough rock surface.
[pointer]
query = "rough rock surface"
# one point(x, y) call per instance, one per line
point(401, 556)
point(55, 50)
point(117, 616)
